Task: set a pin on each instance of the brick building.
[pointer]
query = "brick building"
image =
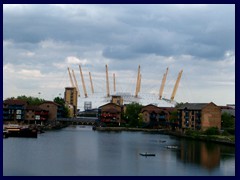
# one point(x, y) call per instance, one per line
point(36, 115)
point(156, 116)
point(199, 116)
point(71, 97)
point(54, 109)
point(110, 113)
point(14, 110)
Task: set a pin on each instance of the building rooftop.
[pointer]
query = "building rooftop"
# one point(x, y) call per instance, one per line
point(15, 102)
point(193, 106)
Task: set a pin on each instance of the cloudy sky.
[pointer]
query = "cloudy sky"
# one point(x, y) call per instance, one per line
point(41, 41)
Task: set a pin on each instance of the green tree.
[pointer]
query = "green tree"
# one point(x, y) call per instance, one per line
point(60, 101)
point(227, 121)
point(179, 104)
point(140, 120)
point(31, 100)
point(132, 111)
point(173, 119)
point(173, 116)
point(212, 131)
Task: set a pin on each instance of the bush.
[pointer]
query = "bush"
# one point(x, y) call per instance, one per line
point(212, 131)
point(192, 133)
point(230, 131)
point(225, 133)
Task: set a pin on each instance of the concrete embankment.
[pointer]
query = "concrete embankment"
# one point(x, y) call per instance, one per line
point(127, 129)
point(216, 139)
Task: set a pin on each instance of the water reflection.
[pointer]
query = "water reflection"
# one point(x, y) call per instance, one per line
point(208, 155)
point(79, 151)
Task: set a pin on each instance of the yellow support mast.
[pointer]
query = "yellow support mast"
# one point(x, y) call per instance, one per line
point(83, 83)
point(114, 83)
point(76, 84)
point(163, 84)
point(138, 80)
point(70, 76)
point(107, 82)
point(91, 83)
point(176, 85)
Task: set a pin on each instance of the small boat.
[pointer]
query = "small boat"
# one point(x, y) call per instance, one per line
point(172, 147)
point(147, 154)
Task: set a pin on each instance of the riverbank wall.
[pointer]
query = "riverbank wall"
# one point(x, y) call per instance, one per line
point(216, 139)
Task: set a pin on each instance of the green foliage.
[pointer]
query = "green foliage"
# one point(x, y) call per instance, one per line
point(132, 111)
point(230, 131)
point(140, 120)
point(179, 104)
point(173, 116)
point(192, 133)
point(227, 121)
point(65, 112)
point(31, 100)
point(59, 100)
point(212, 131)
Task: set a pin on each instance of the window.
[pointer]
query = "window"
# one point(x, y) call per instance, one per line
point(18, 117)
point(37, 117)
point(19, 112)
point(48, 106)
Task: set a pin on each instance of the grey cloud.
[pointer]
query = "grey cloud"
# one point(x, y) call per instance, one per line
point(129, 30)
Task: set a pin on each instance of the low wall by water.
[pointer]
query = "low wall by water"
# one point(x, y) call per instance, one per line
point(163, 131)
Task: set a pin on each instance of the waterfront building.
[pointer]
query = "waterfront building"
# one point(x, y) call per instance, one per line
point(71, 97)
point(14, 110)
point(54, 110)
point(35, 115)
point(199, 116)
point(110, 113)
point(156, 116)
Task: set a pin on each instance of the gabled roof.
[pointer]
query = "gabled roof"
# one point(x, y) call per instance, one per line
point(51, 102)
point(109, 104)
point(112, 110)
point(34, 107)
point(193, 106)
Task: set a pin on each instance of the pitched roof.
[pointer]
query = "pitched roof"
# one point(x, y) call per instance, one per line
point(109, 104)
point(51, 102)
point(34, 107)
point(15, 102)
point(193, 106)
point(112, 110)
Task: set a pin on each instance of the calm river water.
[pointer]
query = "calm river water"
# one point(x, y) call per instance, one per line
point(79, 151)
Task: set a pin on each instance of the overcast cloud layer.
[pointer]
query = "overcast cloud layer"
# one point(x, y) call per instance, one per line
point(41, 41)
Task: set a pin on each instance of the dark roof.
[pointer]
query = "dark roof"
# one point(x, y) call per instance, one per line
point(157, 109)
point(111, 110)
point(109, 104)
point(226, 107)
point(193, 106)
point(34, 107)
point(15, 102)
point(51, 102)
